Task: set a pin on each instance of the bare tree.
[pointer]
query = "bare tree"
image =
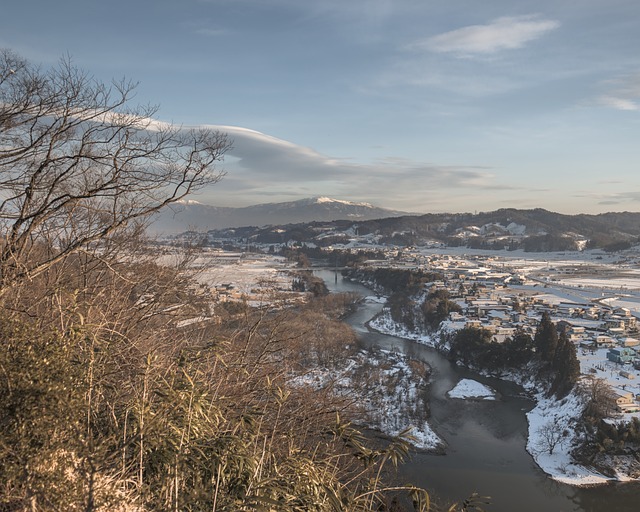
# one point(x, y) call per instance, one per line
point(78, 164)
point(599, 397)
point(550, 435)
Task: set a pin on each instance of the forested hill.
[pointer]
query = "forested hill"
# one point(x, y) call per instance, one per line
point(531, 230)
point(600, 230)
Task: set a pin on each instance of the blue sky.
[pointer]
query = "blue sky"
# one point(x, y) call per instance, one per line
point(419, 105)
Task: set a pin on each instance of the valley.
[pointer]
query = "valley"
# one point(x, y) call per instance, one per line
point(594, 295)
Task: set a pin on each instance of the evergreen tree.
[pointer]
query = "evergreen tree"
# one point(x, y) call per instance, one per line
point(565, 366)
point(546, 339)
point(519, 349)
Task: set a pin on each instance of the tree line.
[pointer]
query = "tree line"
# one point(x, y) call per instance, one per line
point(550, 357)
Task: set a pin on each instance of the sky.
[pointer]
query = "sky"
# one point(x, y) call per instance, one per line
point(415, 105)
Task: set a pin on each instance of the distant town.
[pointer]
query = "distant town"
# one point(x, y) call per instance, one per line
point(593, 296)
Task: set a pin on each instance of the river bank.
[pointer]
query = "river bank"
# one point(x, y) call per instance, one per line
point(551, 423)
point(389, 390)
point(485, 439)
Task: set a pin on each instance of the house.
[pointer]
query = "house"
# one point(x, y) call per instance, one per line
point(629, 342)
point(624, 400)
point(614, 323)
point(454, 316)
point(518, 317)
point(503, 333)
point(621, 355)
point(592, 313)
point(603, 339)
point(616, 331)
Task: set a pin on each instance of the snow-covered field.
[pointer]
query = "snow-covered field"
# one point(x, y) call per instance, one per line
point(249, 276)
point(629, 282)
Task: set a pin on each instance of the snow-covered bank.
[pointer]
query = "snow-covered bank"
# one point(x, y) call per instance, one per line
point(552, 435)
point(468, 389)
point(388, 387)
point(385, 325)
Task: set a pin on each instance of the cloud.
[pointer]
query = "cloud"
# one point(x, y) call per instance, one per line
point(280, 160)
point(205, 27)
point(615, 198)
point(631, 196)
point(260, 165)
point(618, 103)
point(506, 33)
point(624, 93)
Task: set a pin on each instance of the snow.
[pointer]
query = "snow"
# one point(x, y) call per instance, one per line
point(320, 200)
point(192, 321)
point(471, 389)
point(390, 397)
point(424, 438)
point(516, 229)
point(254, 276)
point(595, 364)
point(557, 462)
point(384, 324)
point(627, 282)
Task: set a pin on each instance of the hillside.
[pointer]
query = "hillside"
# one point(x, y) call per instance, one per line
point(535, 230)
point(511, 228)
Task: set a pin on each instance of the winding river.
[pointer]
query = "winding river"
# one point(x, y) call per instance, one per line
point(486, 440)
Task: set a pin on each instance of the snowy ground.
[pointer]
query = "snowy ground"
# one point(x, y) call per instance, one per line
point(388, 389)
point(384, 324)
point(254, 277)
point(471, 389)
point(376, 299)
point(551, 430)
point(626, 282)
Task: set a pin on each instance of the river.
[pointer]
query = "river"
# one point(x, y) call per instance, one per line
point(485, 440)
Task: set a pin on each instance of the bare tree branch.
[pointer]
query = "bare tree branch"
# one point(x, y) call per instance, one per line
point(79, 164)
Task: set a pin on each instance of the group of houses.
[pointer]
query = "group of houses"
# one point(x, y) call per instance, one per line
point(494, 299)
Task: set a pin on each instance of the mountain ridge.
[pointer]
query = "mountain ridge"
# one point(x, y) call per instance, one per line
point(193, 215)
point(535, 230)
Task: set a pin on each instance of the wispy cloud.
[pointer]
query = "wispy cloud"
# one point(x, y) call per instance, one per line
point(506, 33)
point(615, 198)
point(260, 166)
point(205, 27)
point(623, 94)
point(618, 103)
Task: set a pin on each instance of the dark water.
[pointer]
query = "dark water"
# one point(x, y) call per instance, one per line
point(486, 440)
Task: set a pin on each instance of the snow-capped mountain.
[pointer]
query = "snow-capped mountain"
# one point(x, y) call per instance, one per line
point(193, 215)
